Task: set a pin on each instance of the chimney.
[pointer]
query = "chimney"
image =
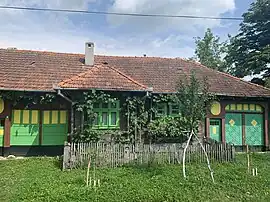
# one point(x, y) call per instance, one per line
point(89, 53)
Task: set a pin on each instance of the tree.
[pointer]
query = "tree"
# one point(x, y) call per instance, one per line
point(209, 51)
point(249, 50)
point(195, 101)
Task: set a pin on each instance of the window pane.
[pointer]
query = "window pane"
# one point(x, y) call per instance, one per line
point(96, 105)
point(104, 118)
point(96, 122)
point(113, 118)
point(105, 105)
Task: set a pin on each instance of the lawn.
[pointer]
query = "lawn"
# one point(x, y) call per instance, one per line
point(40, 179)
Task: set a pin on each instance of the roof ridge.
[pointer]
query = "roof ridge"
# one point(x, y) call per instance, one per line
point(129, 78)
point(81, 54)
point(229, 75)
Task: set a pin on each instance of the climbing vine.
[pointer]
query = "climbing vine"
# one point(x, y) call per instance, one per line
point(85, 105)
point(27, 98)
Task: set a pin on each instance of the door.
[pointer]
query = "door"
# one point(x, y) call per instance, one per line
point(25, 127)
point(2, 125)
point(54, 128)
point(254, 129)
point(215, 129)
point(233, 128)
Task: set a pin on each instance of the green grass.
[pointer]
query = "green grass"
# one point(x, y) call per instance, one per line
point(40, 179)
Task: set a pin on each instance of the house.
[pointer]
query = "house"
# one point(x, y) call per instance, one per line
point(32, 125)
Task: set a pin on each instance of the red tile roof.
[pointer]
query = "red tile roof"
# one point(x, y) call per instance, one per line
point(102, 77)
point(36, 70)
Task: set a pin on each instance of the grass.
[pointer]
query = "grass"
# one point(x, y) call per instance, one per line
point(40, 179)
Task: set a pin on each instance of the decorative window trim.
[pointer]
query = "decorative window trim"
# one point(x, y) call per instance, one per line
point(102, 112)
point(240, 107)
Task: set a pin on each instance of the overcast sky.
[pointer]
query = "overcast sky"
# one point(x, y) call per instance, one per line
point(115, 35)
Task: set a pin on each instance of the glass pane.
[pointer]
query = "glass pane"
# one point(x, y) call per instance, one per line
point(96, 105)
point(113, 118)
point(96, 122)
point(105, 105)
point(104, 118)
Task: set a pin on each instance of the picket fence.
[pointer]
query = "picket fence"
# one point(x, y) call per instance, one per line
point(114, 155)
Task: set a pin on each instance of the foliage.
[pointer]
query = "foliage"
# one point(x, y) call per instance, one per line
point(137, 117)
point(165, 127)
point(209, 51)
point(249, 50)
point(86, 106)
point(27, 98)
point(40, 179)
point(195, 101)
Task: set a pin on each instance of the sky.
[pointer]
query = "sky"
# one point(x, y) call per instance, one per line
point(117, 35)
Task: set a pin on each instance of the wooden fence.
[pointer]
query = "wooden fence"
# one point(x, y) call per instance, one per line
point(113, 155)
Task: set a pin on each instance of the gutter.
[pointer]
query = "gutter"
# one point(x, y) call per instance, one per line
point(71, 110)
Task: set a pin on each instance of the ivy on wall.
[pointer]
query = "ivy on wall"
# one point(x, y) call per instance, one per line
point(27, 98)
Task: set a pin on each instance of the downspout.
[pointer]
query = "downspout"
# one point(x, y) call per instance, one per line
point(71, 111)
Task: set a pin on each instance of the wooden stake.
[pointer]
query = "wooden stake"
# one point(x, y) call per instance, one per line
point(248, 161)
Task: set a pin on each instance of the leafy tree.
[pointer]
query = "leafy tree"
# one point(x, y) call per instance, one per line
point(249, 50)
point(209, 51)
point(195, 101)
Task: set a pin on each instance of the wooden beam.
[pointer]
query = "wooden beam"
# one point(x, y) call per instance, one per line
point(266, 137)
point(7, 132)
point(223, 123)
point(40, 126)
point(243, 129)
point(207, 127)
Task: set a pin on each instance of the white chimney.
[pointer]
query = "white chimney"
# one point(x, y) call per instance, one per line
point(89, 53)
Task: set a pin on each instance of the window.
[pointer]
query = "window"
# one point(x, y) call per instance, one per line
point(54, 117)
point(161, 109)
point(167, 109)
point(107, 115)
point(244, 108)
point(174, 110)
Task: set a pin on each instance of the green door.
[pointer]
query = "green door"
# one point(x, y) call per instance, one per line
point(254, 129)
point(25, 127)
point(233, 128)
point(215, 129)
point(54, 128)
point(2, 124)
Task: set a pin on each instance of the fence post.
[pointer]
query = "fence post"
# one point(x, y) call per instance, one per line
point(233, 152)
point(66, 156)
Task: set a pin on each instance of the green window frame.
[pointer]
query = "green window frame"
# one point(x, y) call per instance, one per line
point(174, 110)
point(167, 109)
point(161, 109)
point(107, 115)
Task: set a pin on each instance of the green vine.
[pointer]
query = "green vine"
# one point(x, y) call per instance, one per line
point(27, 98)
point(86, 133)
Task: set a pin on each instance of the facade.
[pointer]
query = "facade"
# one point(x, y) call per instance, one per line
point(240, 116)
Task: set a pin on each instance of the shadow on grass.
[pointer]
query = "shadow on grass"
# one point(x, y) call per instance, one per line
point(58, 162)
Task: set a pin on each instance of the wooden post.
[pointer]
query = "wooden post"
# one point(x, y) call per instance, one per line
point(223, 137)
point(207, 126)
point(66, 156)
point(243, 131)
point(266, 126)
point(40, 126)
point(248, 163)
point(7, 132)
